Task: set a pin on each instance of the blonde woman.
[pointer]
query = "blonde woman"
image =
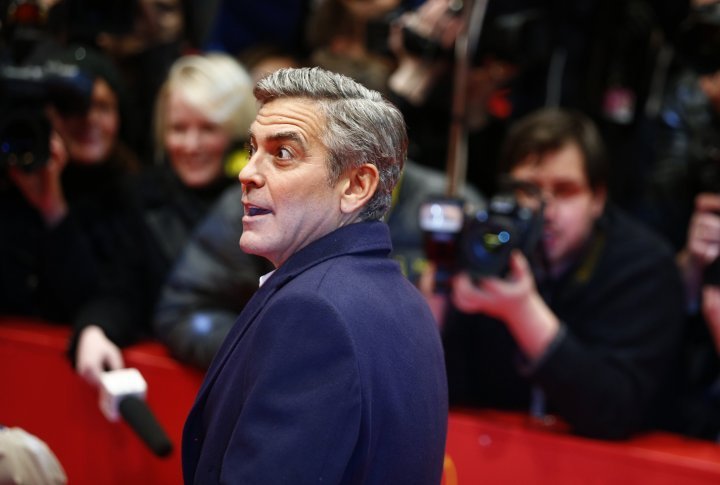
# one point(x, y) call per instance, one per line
point(202, 116)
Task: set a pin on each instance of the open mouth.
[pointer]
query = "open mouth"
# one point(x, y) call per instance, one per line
point(257, 211)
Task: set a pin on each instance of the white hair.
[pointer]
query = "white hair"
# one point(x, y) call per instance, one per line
point(215, 84)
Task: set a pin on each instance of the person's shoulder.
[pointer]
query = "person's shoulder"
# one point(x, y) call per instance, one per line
point(423, 182)
point(432, 180)
point(632, 236)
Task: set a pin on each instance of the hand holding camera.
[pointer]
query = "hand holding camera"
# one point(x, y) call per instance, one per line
point(513, 300)
point(42, 186)
point(703, 241)
point(422, 42)
point(700, 259)
point(496, 297)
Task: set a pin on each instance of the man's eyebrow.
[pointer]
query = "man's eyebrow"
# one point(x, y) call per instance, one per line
point(292, 136)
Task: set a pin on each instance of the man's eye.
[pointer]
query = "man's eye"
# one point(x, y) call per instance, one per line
point(284, 153)
point(250, 148)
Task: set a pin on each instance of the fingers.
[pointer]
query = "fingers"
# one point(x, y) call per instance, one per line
point(395, 39)
point(113, 358)
point(90, 371)
point(466, 295)
point(710, 84)
point(95, 354)
point(707, 202)
point(436, 21)
point(93, 366)
point(58, 153)
point(704, 236)
point(519, 265)
point(711, 302)
point(711, 312)
point(426, 282)
point(436, 301)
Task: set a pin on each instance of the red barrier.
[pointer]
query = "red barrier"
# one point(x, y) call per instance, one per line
point(492, 447)
point(42, 394)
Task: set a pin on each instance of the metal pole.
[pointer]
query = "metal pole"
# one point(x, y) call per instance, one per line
point(465, 47)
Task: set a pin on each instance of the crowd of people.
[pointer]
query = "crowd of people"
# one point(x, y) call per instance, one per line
point(127, 226)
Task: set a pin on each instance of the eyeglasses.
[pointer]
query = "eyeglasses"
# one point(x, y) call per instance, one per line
point(530, 194)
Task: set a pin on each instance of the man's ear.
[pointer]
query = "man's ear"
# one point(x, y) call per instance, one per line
point(358, 187)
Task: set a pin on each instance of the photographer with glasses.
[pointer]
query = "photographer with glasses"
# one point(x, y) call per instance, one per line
point(590, 334)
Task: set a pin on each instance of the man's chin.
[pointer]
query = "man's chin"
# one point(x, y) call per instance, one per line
point(249, 245)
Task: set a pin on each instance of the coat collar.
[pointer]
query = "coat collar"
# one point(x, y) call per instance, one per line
point(360, 237)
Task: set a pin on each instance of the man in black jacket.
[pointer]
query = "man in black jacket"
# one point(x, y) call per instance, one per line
point(591, 335)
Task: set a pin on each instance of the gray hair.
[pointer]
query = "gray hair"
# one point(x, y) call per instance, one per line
point(361, 126)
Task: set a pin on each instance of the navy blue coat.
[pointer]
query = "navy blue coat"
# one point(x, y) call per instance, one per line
point(333, 373)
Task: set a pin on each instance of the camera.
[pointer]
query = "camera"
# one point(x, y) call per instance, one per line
point(479, 241)
point(31, 79)
point(25, 93)
point(520, 37)
point(378, 31)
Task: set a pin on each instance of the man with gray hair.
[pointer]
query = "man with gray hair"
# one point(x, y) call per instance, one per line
point(334, 370)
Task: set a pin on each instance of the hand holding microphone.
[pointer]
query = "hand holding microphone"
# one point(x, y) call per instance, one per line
point(122, 394)
point(95, 354)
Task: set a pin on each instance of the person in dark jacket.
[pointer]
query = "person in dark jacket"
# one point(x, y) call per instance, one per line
point(696, 405)
point(589, 333)
point(203, 113)
point(335, 364)
point(65, 220)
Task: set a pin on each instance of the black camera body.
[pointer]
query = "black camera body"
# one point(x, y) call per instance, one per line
point(378, 33)
point(478, 241)
point(490, 235)
point(32, 78)
point(522, 37)
point(25, 93)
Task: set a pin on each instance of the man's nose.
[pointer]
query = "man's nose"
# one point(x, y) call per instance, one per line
point(249, 173)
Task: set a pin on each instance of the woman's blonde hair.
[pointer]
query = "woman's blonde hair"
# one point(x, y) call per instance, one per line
point(215, 84)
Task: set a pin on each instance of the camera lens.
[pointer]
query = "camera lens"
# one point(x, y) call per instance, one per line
point(487, 244)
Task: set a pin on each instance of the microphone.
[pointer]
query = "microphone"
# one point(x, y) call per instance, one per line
point(141, 419)
point(122, 394)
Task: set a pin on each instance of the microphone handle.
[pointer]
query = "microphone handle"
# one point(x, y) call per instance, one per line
point(141, 419)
